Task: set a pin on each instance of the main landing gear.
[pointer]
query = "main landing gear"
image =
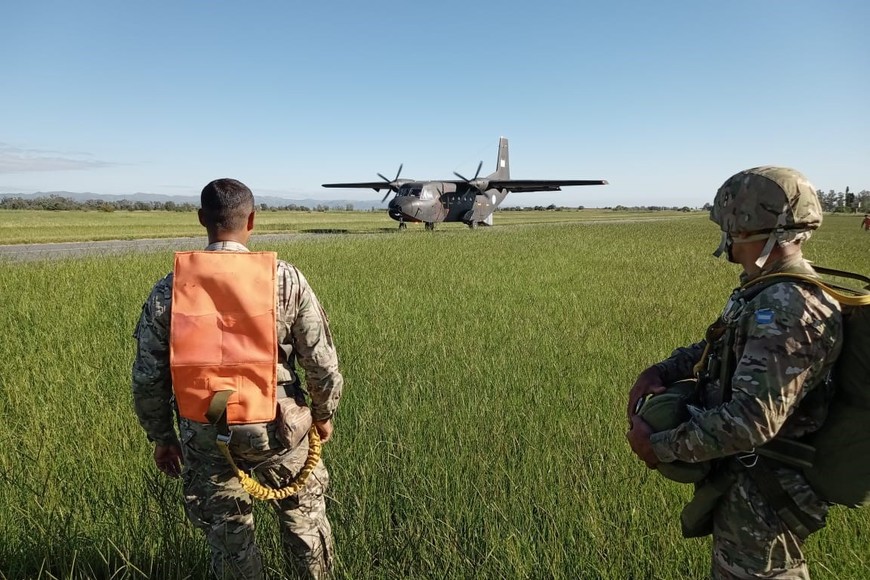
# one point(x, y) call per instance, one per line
point(402, 225)
point(430, 227)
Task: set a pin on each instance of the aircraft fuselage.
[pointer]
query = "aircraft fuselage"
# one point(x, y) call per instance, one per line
point(439, 201)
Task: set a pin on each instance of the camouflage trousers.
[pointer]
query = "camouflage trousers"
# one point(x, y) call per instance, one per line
point(749, 538)
point(216, 503)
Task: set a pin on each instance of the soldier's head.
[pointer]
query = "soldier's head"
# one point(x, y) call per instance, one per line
point(769, 209)
point(227, 207)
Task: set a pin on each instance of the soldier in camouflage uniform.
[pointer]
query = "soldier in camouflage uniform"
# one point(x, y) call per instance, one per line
point(785, 340)
point(214, 499)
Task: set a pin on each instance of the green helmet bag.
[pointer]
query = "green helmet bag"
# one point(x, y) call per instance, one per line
point(664, 412)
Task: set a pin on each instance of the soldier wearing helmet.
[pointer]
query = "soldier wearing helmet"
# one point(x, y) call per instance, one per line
point(761, 372)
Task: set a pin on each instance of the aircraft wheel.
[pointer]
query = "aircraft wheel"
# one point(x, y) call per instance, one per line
point(402, 225)
point(472, 225)
point(430, 226)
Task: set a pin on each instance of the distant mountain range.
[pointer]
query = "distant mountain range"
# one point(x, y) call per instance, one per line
point(358, 204)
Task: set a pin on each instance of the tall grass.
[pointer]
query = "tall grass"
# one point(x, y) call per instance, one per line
point(482, 429)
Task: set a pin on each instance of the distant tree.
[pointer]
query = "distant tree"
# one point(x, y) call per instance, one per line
point(348, 207)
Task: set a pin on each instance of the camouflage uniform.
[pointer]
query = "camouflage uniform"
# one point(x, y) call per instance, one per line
point(213, 497)
point(786, 339)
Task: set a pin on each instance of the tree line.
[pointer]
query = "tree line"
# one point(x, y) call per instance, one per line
point(60, 203)
point(845, 202)
point(832, 202)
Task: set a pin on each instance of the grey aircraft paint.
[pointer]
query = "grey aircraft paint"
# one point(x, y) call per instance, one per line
point(470, 201)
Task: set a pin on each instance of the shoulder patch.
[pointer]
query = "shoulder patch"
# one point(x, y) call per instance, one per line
point(764, 316)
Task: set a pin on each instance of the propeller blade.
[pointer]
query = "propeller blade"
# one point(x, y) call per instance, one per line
point(383, 199)
point(399, 172)
point(460, 176)
point(381, 175)
point(476, 173)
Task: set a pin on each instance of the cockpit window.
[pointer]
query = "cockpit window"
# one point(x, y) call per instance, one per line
point(409, 191)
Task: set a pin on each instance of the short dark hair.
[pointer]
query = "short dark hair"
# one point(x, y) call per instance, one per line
point(226, 204)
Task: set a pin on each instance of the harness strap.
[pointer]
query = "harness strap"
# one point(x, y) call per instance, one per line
point(838, 293)
point(788, 511)
point(789, 451)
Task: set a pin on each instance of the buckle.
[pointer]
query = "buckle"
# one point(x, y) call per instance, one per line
point(747, 460)
point(225, 439)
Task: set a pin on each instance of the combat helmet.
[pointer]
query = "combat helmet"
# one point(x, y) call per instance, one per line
point(664, 412)
point(774, 203)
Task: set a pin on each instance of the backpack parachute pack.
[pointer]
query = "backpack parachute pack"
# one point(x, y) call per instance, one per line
point(838, 469)
point(840, 472)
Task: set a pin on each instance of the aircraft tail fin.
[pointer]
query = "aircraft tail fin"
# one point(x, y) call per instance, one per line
point(502, 165)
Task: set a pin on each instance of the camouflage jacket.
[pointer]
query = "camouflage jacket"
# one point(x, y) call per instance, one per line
point(303, 336)
point(786, 339)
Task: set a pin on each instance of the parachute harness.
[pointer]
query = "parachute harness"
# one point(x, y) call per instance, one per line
point(217, 415)
point(262, 492)
point(842, 294)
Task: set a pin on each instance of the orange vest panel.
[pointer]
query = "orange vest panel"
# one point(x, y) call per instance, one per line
point(222, 334)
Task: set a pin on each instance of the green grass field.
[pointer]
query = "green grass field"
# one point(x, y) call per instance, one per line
point(482, 429)
point(36, 227)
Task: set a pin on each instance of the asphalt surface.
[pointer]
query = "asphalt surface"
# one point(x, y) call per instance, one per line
point(33, 252)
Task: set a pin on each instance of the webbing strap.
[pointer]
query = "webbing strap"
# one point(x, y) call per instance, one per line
point(788, 511)
point(217, 412)
point(837, 293)
point(789, 451)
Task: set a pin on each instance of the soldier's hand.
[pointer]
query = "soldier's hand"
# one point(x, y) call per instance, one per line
point(649, 382)
point(168, 459)
point(638, 439)
point(324, 429)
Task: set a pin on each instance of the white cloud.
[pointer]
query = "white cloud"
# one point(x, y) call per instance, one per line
point(21, 160)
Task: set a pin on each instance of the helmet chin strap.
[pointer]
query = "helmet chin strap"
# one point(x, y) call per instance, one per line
point(723, 244)
point(766, 250)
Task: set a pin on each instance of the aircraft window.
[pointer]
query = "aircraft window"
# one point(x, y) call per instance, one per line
point(411, 192)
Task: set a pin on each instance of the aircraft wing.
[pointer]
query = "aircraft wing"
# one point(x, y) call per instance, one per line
point(521, 185)
point(376, 185)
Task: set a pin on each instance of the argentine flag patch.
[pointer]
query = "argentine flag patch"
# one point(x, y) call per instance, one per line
point(764, 316)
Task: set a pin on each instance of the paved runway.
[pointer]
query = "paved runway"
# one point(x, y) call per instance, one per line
point(31, 252)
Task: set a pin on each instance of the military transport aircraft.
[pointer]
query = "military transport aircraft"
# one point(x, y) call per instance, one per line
point(470, 201)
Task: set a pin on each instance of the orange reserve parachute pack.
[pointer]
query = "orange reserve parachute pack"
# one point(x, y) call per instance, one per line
point(223, 350)
point(222, 334)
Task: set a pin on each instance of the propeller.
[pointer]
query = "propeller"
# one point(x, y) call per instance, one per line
point(393, 187)
point(472, 181)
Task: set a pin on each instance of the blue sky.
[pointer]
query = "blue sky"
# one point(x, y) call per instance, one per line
point(663, 99)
